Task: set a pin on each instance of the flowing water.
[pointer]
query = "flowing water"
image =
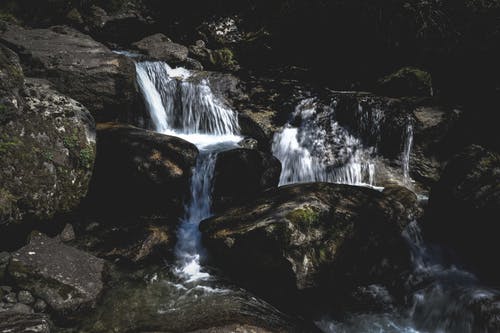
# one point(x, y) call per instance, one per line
point(189, 110)
point(312, 147)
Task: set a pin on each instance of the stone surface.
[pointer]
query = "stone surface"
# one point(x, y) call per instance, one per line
point(68, 279)
point(47, 155)
point(68, 233)
point(309, 237)
point(161, 47)
point(242, 174)
point(140, 171)
point(407, 81)
point(79, 67)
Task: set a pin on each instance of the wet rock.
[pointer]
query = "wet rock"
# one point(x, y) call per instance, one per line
point(140, 171)
point(163, 306)
point(407, 81)
point(47, 154)
point(25, 297)
point(68, 279)
point(312, 238)
point(241, 175)
point(68, 233)
point(78, 67)
point(161, 47)
point(21, 322)
point(464, 208)
point(249, 143)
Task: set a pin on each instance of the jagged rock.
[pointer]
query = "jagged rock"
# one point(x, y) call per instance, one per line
point(68, 279)
point(161, 47)
point(241, 175)
point(25, 297)
point(21, 322)
point(68, 233)
point(312, 237)
point(47, 148)
point(78, 66)
point(464, 208)
point(140, 171)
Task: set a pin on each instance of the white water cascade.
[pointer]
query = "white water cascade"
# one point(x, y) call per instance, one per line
point(309, 154)
point(183, 106)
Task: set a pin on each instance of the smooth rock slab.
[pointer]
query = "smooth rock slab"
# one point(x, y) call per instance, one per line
point(66, 278)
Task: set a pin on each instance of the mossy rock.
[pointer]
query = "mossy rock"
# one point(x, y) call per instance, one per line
point(47, 149)
point(407, 81)
point(224, 59)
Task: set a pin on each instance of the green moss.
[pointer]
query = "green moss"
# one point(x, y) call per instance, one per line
point(6, 146)
point(224, 58)
point(307, 215)
point(87, 157)
point(7, 202)
point(72, 141)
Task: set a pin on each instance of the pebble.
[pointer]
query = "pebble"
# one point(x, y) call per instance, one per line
point(68, 233)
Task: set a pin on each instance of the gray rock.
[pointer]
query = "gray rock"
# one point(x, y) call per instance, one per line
point(48, 158)
point(79, 67)
point(10, 297)
point(68, 233)
point(161, 47)
point(141, 171)
point(25, 297)
point(68, 279)
point(21, 308)
point(21, 322)
point(248, 143)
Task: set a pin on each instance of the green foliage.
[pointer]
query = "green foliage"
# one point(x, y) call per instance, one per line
point(87, 157)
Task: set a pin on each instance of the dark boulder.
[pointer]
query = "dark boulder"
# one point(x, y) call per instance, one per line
point(68, 279)
point(78, 66)
point(312, 238)
point(161, 47)
point(22, 322)
point(241, 175)
point(407, 81)
point(140, 171)
point(464, 208)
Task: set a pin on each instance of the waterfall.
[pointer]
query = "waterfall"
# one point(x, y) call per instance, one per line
point(183, 105)
point(406, 155)
point(319, 149)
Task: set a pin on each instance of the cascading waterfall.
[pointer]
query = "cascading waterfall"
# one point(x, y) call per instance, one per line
point(184, 106)
point(308, 153)
point(406, 155)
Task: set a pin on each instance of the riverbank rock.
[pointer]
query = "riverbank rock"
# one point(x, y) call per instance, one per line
point(21, 322)
point(79, 67)
point(161, 47)
point(67, 279)
point(47, 148)
point(241, 175)
point(311, 237)
point(140, 171)
point(465, 205)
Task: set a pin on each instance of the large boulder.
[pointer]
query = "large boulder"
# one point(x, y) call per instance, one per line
point(47, 148)
point(313, 238)
point(241, 174)
point(161, 47)
point(140, 171)
point(407, 81)
point(464, 208)
point(67, 279)
point(78, 66)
